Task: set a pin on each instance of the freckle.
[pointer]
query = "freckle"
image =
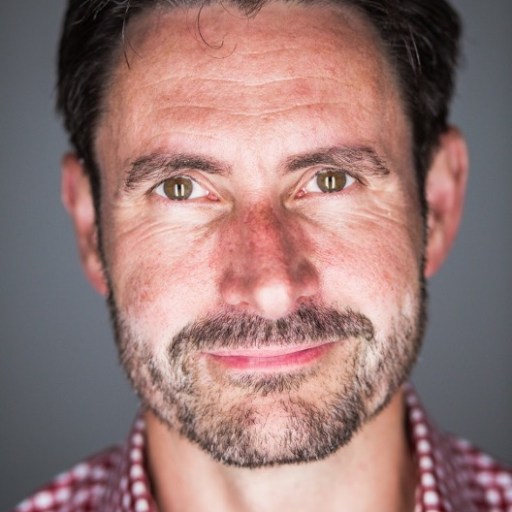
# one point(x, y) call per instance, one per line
point(145, 295)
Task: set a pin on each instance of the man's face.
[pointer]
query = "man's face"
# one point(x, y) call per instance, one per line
point(260, 227)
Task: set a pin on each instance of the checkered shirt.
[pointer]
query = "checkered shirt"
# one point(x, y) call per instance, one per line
point(453, 476)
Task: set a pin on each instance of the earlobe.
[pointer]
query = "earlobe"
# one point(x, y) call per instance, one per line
point(78, 200)
point(445, 191)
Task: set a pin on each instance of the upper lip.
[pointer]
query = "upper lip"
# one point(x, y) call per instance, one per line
point(264, 352)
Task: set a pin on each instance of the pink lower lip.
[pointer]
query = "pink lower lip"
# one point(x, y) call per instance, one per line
point(264, 360)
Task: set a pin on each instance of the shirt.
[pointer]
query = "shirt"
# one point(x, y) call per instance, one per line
point(454, 476)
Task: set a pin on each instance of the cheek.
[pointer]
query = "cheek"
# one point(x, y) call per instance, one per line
point(162, 279)
point(370, 261)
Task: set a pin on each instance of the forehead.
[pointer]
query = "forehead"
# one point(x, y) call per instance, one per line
point(217, 31)
point(193, 65)
point(216, 40)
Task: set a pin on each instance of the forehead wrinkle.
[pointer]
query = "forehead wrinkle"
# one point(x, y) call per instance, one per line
point(191, 86)
point(371, 63)
point(253, 85)
point(254, 100)
point(257, 112)
point(250, 91)
point(266, 70)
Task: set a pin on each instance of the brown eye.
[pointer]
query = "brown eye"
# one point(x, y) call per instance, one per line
point(182, 188)
point(331, 180)
point(178, 188)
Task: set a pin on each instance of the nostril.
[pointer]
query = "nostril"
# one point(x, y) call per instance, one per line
point(233, 290)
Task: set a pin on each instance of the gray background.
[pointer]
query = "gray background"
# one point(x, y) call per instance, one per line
point(62, 394)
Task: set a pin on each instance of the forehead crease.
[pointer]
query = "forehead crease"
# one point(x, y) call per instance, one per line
point(271, 97)
point(269, 78)
point(254, 70)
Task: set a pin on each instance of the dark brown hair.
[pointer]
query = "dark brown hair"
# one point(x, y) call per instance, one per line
point(420, 36)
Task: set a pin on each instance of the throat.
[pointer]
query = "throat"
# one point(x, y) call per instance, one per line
point(375, 471)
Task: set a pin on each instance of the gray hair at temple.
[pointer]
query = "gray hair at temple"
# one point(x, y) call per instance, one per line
point(421, 38)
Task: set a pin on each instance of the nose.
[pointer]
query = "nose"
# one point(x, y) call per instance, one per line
point(268, 271)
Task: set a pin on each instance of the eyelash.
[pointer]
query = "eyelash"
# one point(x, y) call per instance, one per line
point(299, 192)
point(202, 192)
point(302, 192)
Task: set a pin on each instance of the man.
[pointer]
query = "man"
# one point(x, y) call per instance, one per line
point(260, 191)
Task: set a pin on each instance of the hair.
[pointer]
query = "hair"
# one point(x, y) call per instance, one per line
point(421, 38)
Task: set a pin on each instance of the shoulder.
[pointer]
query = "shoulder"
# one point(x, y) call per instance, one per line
point(488, 480)
point(453, 473)
point(81, 488)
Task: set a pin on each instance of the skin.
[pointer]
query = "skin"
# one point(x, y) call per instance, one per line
point(261, 241)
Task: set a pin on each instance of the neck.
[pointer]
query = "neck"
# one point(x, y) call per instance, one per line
point(375, 471)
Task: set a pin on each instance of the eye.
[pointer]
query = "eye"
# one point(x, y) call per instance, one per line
point(180, 188)
point(329, 181)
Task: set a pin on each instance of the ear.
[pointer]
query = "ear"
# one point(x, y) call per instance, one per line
point(445, 191)
point(77, 198)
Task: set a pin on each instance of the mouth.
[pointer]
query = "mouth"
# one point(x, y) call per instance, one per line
point(269, 358)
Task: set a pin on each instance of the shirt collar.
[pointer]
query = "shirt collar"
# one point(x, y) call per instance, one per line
point(129, 488)
point(443, 476)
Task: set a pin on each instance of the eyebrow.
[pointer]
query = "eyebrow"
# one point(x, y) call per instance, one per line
point(157, 166)
point(363, 160)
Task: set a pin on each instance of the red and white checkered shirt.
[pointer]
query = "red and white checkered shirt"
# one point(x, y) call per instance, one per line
point(454, 476)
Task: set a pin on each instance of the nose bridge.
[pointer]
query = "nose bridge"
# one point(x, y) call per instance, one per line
point(268, 272)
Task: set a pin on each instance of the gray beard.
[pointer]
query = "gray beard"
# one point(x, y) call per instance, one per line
point(239, 430)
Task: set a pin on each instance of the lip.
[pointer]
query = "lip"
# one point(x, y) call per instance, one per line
point(270, 358)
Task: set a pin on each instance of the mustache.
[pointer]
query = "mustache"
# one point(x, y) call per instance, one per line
point(309, 323)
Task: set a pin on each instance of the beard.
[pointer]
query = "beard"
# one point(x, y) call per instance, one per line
point(257, 419)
